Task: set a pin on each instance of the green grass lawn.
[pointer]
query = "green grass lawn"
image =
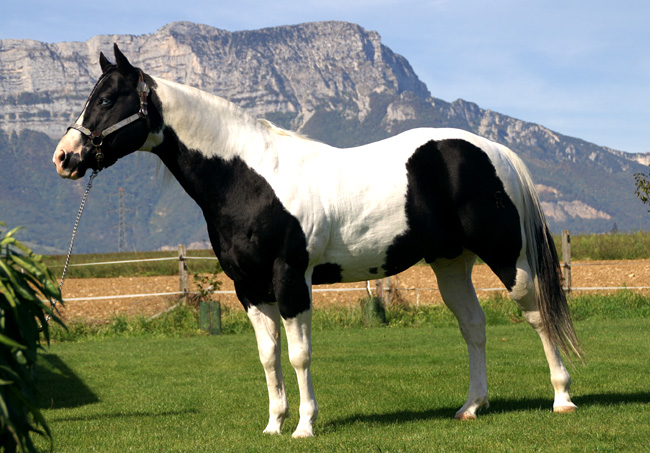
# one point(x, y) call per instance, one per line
point(379, 389)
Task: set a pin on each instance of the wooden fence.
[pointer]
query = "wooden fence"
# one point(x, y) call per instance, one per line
point(381, 288)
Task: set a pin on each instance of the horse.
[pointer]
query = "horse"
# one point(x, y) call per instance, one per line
point(285, 212)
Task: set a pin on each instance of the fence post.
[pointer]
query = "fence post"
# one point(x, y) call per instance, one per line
point(210, 317)
point(383, 289)
point(566, 260)
point(388, 290)
point(182, 271)
point(379, 288)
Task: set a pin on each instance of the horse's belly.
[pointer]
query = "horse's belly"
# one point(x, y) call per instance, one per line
point(358, 254)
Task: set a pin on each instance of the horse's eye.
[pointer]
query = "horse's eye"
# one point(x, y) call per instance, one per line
point(105, 101)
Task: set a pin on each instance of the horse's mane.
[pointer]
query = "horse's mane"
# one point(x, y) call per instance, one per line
point(204, 101)
point(280, 131)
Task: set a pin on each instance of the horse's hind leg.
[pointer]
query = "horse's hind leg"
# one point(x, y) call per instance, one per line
point(523, 293)
point(266, 322)
point(455, 284)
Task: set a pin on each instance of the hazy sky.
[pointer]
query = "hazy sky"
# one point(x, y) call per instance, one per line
point(581, 68)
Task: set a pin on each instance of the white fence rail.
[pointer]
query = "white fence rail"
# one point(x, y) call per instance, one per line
point(380, 285)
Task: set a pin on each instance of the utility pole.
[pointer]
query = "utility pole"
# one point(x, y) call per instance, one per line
point(121, 226)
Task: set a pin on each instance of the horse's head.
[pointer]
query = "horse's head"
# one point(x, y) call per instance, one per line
point(114, 122)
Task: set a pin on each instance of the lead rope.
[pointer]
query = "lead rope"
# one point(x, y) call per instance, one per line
point(74, 233)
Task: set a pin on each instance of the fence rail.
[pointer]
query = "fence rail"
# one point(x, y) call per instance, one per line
point(382, 286)
point(170, 258)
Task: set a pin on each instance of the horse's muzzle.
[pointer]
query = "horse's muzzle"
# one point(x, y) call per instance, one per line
point(67, 157)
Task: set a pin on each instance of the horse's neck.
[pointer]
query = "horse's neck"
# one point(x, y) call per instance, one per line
point(210, 125)
point(203, 138)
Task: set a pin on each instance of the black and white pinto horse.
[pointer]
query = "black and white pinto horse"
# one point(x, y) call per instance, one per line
point(285, 213)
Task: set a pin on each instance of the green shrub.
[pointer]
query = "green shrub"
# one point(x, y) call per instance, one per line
point(374, 312)
point(24, 282)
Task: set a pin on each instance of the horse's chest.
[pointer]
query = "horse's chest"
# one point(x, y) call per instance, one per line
point(250, 239)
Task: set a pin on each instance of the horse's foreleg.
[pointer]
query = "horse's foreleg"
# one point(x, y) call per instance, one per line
point(293, 291)
point(524, 294)
point(266, 322)
point(298, 331)
point(456, 288)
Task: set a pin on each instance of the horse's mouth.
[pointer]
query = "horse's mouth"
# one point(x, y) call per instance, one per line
point(70, 174)
point(68, 165)
point(67, 171)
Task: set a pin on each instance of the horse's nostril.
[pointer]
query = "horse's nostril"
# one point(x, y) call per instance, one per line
point(59, 157)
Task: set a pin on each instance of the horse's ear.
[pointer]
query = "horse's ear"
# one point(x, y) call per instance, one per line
point(123, 64)
point(104, 63)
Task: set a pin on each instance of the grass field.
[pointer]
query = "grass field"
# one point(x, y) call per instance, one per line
point(141, 269)
point(379, 389)
point(621, 246)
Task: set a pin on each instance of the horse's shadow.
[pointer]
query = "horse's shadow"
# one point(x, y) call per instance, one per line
point(497, 406)
point(59, 386)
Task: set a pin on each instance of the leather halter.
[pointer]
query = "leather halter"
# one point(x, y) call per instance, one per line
point(97, 137)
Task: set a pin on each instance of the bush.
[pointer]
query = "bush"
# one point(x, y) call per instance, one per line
point(24, 283)
point(373, 310)
point(642, 190)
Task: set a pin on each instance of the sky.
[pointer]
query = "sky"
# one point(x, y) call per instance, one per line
point(578, 67)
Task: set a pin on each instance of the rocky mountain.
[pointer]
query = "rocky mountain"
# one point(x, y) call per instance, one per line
point(333, 81)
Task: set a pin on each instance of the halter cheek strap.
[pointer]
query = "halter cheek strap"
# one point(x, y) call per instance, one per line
point(97, 137)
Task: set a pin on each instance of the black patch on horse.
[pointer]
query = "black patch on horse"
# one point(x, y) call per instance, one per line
point(260, 245)
point(327, 273)
point(455, 200)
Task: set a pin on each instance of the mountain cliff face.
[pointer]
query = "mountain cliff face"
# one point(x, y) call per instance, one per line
point(333, 81)
point(286, 73)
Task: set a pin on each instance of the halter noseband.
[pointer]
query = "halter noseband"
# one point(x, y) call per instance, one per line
point(97, 137)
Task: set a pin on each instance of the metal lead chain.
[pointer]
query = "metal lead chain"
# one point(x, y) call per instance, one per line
point(74, 233)
point(76, 226)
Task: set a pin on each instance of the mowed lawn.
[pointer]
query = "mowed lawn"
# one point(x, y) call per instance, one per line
point(379, 389)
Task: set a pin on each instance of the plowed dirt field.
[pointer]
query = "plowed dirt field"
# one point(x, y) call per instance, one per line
point(592, 274)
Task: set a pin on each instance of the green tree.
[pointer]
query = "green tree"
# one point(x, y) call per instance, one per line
point(643, 187)
point(27, 288)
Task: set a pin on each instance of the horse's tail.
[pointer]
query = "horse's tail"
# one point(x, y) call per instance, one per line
point(545, 267)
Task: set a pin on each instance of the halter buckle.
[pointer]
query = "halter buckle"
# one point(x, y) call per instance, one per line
point(97, 138)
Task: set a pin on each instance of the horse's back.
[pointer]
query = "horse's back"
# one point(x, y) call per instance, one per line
point(425, 193)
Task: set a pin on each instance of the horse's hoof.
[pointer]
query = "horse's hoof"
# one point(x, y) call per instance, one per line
point(565, 409)
point(465, 416)
point(273, 428)
point(299, 434)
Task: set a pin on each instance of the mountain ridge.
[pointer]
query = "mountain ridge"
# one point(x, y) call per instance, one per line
point(333, 81)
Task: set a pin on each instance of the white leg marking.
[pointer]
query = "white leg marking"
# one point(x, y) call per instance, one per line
point(524, 294)
point(298, 331)
point(266, 322)
point(455, 284)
